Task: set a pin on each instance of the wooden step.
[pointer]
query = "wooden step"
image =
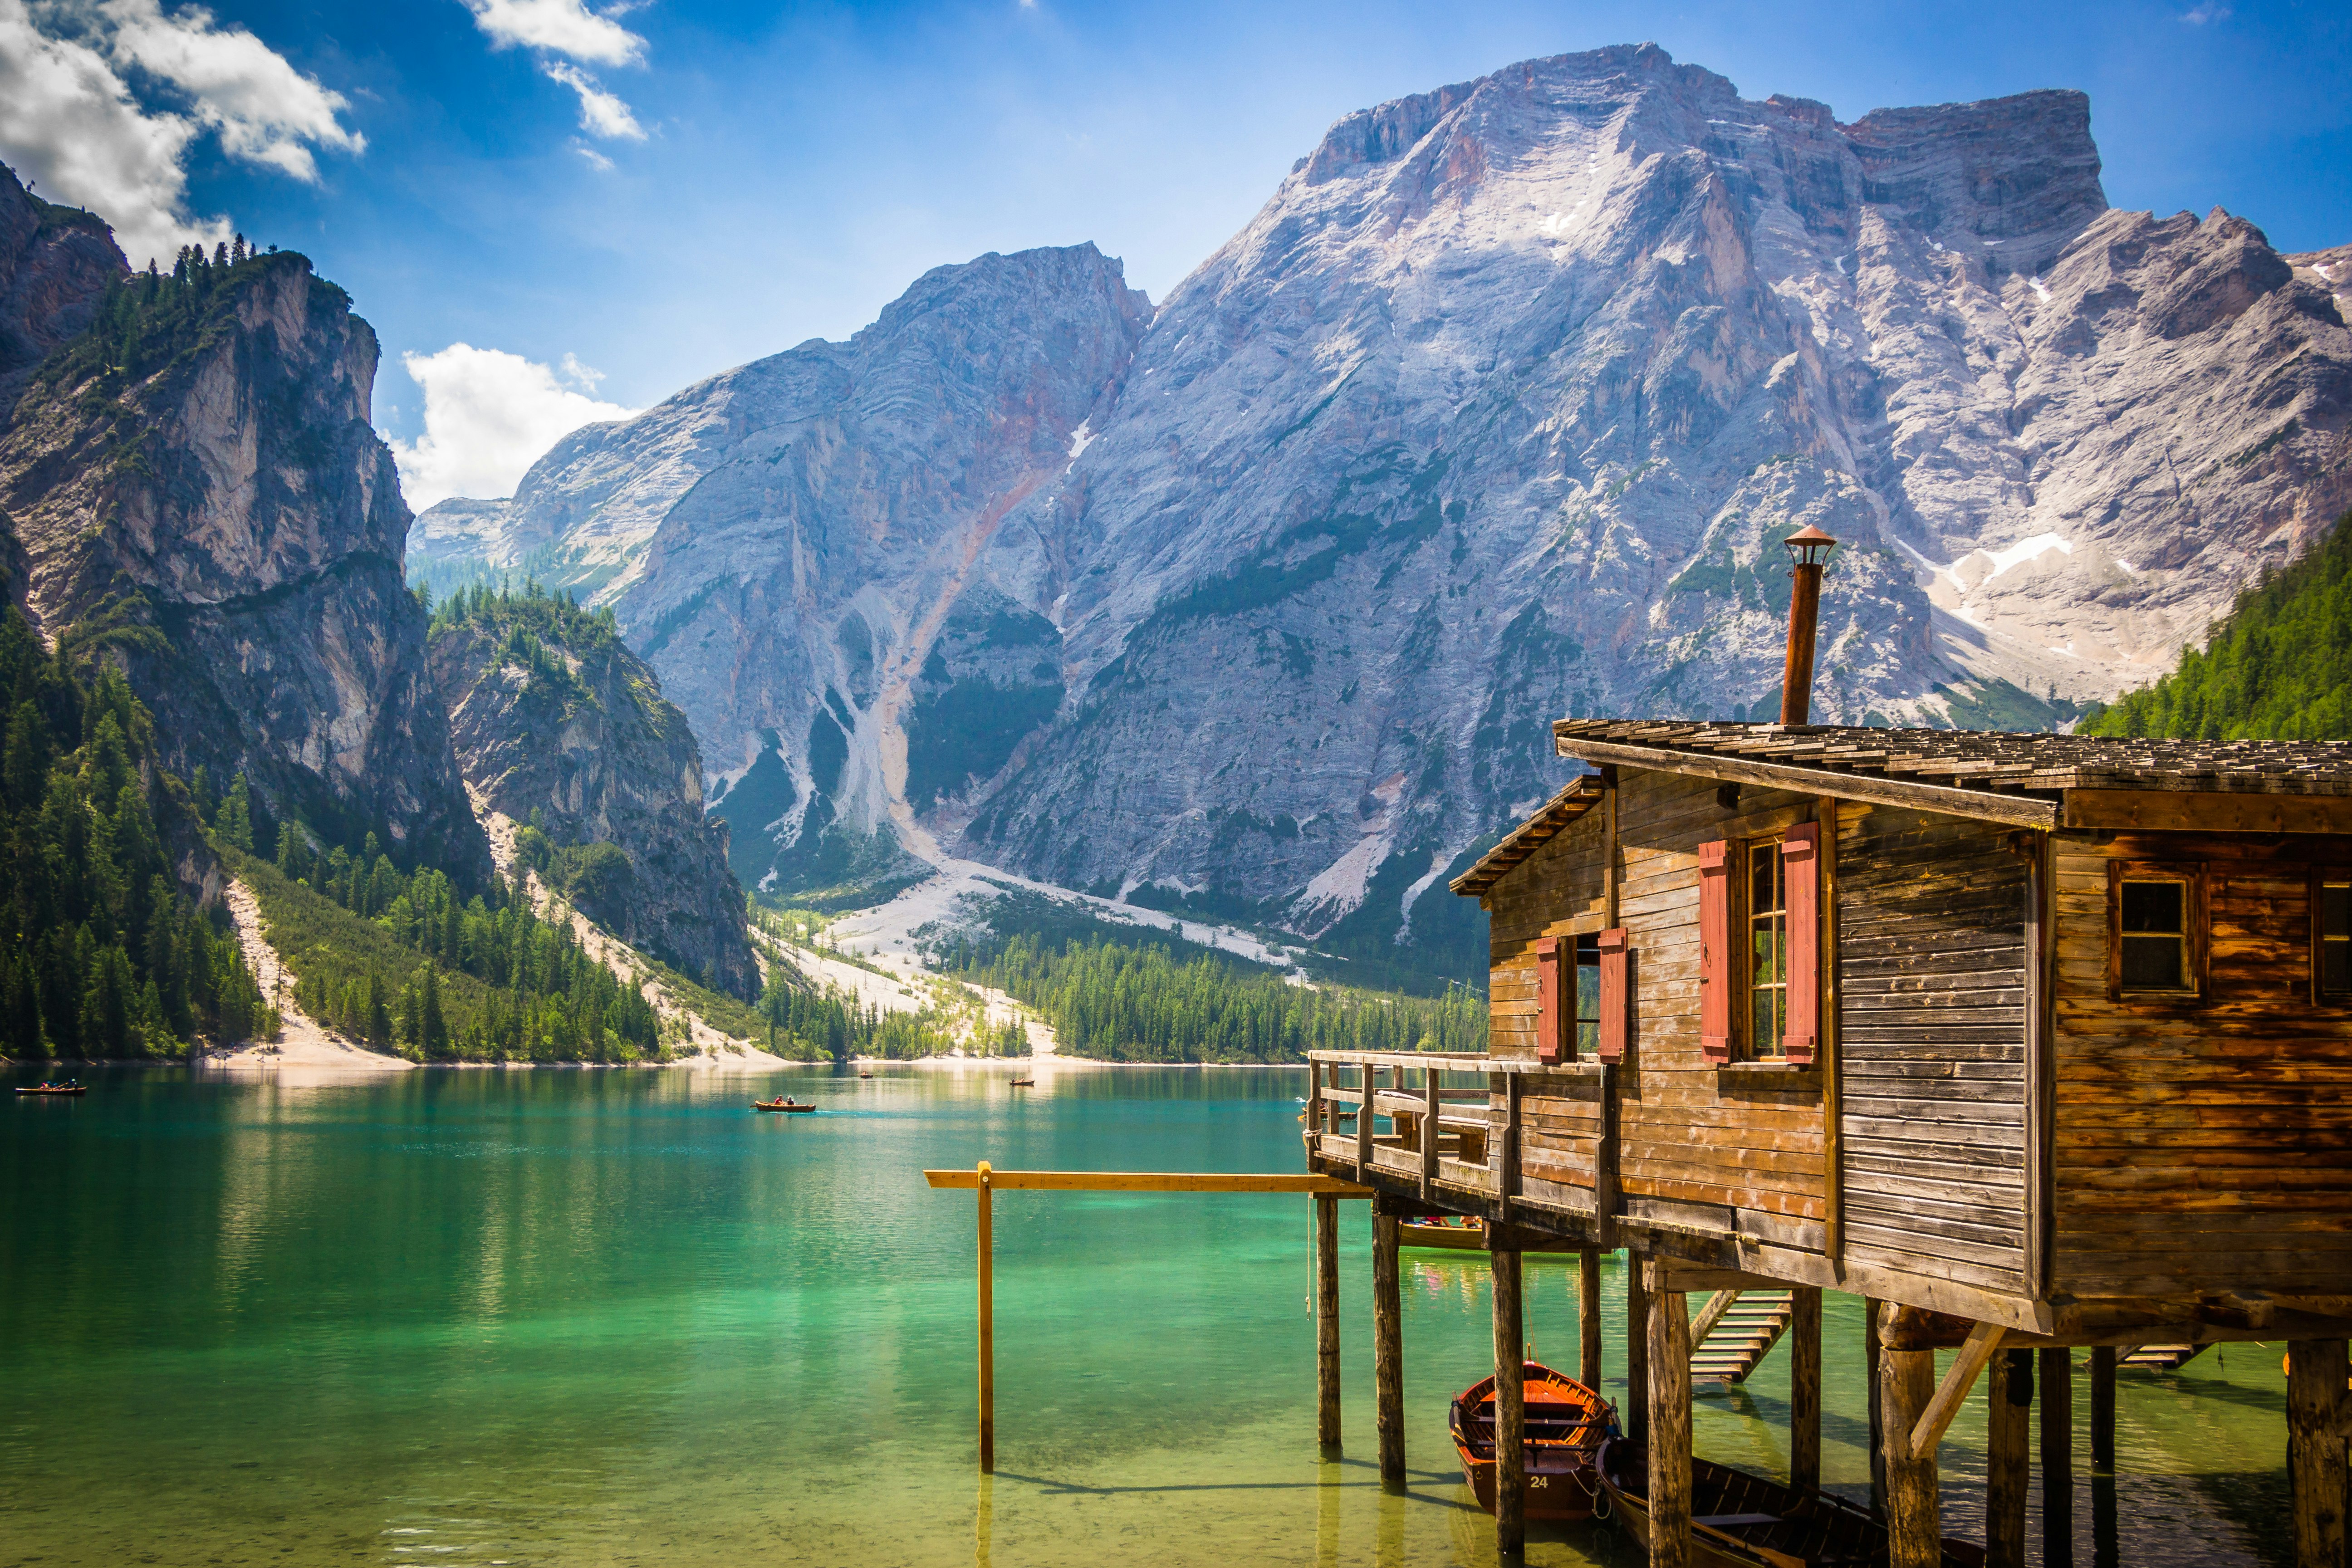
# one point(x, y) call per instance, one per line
point(2159, 1358)
point(1742, 1334)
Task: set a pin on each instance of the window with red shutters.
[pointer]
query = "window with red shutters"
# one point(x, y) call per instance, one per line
point(1800, 867)
point(1548, 998)
point(1714, 966)
point(1616, 1007)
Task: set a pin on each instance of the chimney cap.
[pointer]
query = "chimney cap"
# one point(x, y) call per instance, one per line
point(1805, 542)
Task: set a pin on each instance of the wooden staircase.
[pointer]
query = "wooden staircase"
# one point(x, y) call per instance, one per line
point(2160, 1358)
point(1736, 1331)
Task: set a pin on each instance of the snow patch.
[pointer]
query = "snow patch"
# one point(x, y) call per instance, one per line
point(1081, 437)
point(2026, 549)
point(2041, 290)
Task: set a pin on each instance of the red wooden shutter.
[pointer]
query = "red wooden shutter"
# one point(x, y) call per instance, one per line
point(1616, 1010)
point(1801, 863)
point(1715, 951)
point(1549, 995)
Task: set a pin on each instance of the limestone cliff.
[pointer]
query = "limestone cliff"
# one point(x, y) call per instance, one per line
point(555, 722)
point(195, 486)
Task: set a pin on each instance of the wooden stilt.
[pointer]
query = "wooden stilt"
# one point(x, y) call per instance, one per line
point(1511, 1408)
point(2103, 1407)
point(2057, 1457)
point(2315, 1371)
point(2008, 1456)
point(1388, 1347)
point(1670, 1424)
point(1914, 1533)
point(1805, 1389)
point(1326, 1321)
point(1872, 1311)
point(987, 1327)
point(1636, 1413)
point(1588, 1319)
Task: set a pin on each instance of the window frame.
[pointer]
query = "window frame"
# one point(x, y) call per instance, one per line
point(2323, 873)
point(2198, 936)
point(1742, 956)
point(1572, 987)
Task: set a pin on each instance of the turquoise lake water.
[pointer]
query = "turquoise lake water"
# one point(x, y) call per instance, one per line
point(591, 1318)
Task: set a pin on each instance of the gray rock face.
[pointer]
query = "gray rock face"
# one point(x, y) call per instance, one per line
point(1497, 411)
point(205, 496)
point(55, 263)
point(581, 736)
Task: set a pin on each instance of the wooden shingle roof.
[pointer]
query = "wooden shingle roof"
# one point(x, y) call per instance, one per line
point(1530, 835)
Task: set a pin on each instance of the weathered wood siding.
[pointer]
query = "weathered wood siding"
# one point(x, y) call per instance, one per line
point(1556, 891)
point(2201, 1145)
point(1932, 960)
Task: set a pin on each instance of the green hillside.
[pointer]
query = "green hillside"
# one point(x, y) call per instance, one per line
point(2277, 667)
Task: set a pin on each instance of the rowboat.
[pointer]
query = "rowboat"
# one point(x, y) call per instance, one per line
point(779, 1104)
point(1739, 1520)
point(55, 1088)
point(1024, 1083)
point(1456, 1232)
point(1566, 1424)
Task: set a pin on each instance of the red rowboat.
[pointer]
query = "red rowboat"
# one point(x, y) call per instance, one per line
point(1566, 1424)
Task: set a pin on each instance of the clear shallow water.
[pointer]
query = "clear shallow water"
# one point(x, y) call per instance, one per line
point(589, 1318)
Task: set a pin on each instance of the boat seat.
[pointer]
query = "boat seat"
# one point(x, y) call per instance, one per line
point(1722, 1521)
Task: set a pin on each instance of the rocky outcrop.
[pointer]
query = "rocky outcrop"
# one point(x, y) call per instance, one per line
point(197, 486)
point(55, 264)
point(556, 723)
point(1497, 410)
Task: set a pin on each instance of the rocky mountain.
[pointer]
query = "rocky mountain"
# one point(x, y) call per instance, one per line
point(192, 477)
point(1260, 603)
point(558, 724)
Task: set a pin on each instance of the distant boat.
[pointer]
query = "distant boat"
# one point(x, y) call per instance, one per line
point(1567, 1424)
point(55, 1088)
point(1739, 1520)
point(1457, 1233)
point(866, 1075)
point(780, 1103)
point(1024, 1083)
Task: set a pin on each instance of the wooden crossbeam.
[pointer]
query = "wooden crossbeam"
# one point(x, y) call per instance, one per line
point(1953, 1392)
point(1147, 1182)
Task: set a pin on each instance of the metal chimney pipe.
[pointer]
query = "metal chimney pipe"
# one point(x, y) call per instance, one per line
point(1811, 548)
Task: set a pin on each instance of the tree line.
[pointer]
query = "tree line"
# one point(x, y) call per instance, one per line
point(2278, 667)
point(1145, 1004)
point(103, 953)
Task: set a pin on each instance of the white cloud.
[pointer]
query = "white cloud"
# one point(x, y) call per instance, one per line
point(70, 120)
point(2197, 15)
point(601, 113)
point(563, 28)
point(489, 415)
point(562, 34)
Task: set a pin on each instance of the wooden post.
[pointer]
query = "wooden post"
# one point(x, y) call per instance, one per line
point(2008, 1456)
point(1914, 1536)
point(1670, 1422)
point(1825, 812)
point(1805, 1389)
point(2103, 1407)
point(2315, 1371)
point(1326, 1321)
point(1511, 1408)
point(2057, 1457)
point(1588, 1319)
point(987, 1329)
point(1872, 1311)
point(1430, 1108)
point(1636, 1413)
point(1388, 1347)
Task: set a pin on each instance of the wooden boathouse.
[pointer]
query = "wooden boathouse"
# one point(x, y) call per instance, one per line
point(2038, 1042)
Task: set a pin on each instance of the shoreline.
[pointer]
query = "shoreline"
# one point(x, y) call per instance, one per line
point(362, 1061)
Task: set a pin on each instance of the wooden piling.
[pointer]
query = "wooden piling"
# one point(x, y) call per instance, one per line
point(987, 1327)
point(2008, 1456)
point(1511, 1407)
point(2103, 1407)
point(1872, 1311)
point(1913, 1534)
point(1669, 1422)
point(1636, 1413)
point(1588, 1319)
point(2057, 1457)
point(1326, 1321)
point(1388, 1347)
point(2315, 1373)
point(1805, 1389)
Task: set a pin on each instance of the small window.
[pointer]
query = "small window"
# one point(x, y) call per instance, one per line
point(2332, 936)
point(1588, 996)
point(1768, 950)
point(2159, 945)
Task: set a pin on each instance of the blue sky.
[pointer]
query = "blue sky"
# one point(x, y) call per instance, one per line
point(638, 196)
